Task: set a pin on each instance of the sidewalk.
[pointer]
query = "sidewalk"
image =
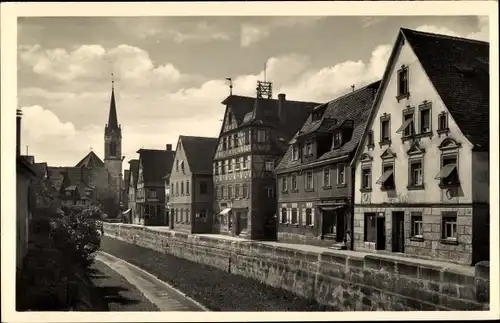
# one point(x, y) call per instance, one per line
point(165, 297)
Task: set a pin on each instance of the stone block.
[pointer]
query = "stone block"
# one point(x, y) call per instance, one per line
point(482, 270)
point(482, 290)
point(427, 227)
point(456, 304)
point(407, 269)
point(429, 273)
point(355, 262)
point(450, 277)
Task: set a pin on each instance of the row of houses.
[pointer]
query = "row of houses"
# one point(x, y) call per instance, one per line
point(400, 165)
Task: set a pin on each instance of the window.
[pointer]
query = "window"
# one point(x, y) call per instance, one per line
point(425, 118)
point(181, 164)
point(337, 140)
point(261, 135)
point(449, 171)
point(182, 188)
point(237, 165)
point(177, 165)
point(237, 191)
point(152, 194)
point(308, 216)
point(309, 180)
point(112, 149)
point(416, 224)
point(235, 139)
point(387, 179)
point(341, 174)
point(408, 125)
point(229, 192)
point(326, 177)
point(449, 228)
point(229, 142)
point(295, 152)
point(217, 192)
point(403, 89)
point(295, 218)
point(370, 227)
point(443, 121)
point(385, 130)
point(182, 216)
point(283, 215)
point(269, 166)
point(284, 183)
point(246, 137)
point(244, 161)
point(224, 143)
point(416, 178)
point(203, 188)
point(187, 187)
point(270, 192)
point(229, 165)
point(177, 188)
point(294, 182)
point(366, 178)
point(216, 168)
point(245, 191)
point(222, 192)
point(370, 141)
point(309, 149)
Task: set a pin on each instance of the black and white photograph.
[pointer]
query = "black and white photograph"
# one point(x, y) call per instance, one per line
point(271, 161)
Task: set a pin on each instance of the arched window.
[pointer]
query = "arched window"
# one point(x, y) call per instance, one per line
point(112, 148)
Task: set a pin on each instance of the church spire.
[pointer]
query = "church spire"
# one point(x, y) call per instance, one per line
point(113, 119)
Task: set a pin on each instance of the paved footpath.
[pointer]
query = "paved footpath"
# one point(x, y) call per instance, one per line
point(164, 296)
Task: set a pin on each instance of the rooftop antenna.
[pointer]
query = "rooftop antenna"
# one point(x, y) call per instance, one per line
point(265, 71)
point(352, 87)
point(230, 85)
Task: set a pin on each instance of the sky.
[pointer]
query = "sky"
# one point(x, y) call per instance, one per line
point(170, 72)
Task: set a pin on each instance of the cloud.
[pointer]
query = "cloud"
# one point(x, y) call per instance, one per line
point(130, 64)
point(253, 33)
point(154, 115)
point(371, 21)
point(201, 31)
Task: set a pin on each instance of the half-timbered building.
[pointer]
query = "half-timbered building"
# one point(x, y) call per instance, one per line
point(253, 138)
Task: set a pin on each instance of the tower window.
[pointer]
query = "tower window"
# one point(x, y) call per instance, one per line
point(112, 149)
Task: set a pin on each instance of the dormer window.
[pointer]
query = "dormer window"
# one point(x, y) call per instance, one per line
point(403, 83)
point(295, 152)
point(308, 148)
point(337, 140)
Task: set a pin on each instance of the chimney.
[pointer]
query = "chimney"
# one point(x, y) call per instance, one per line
point(18, 132)
point(281, 106)
point(169, 147)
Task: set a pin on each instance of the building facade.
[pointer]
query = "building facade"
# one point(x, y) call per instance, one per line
point(150, 191)
point(422, 169)
point(252, 140)
point(315, 181)
point(191, 185)
point(131, 215)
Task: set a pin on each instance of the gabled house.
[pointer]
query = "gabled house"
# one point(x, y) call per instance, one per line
point(131, 214)
point(252, 140)
point(76, 187)
point(422, 168)
point(191, 185)
point(315, 182)
point(150, 192)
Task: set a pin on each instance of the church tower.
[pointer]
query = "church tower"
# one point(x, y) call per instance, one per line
point(113, 147)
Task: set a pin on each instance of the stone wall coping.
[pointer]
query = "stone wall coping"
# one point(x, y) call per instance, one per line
point(319, 251)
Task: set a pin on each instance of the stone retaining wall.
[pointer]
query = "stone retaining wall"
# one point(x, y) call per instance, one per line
point(345, 280)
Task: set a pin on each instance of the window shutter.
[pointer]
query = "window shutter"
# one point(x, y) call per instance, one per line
point(288, 215)
point(312, 216)
point(303, 216)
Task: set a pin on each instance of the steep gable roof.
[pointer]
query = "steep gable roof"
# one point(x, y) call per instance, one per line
point(353, 107)
point(134, 171)
point(90, 160)
point(56, 176)
point(459, 70)
point(199, 152)
point(456, 67)
point(156, 163)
